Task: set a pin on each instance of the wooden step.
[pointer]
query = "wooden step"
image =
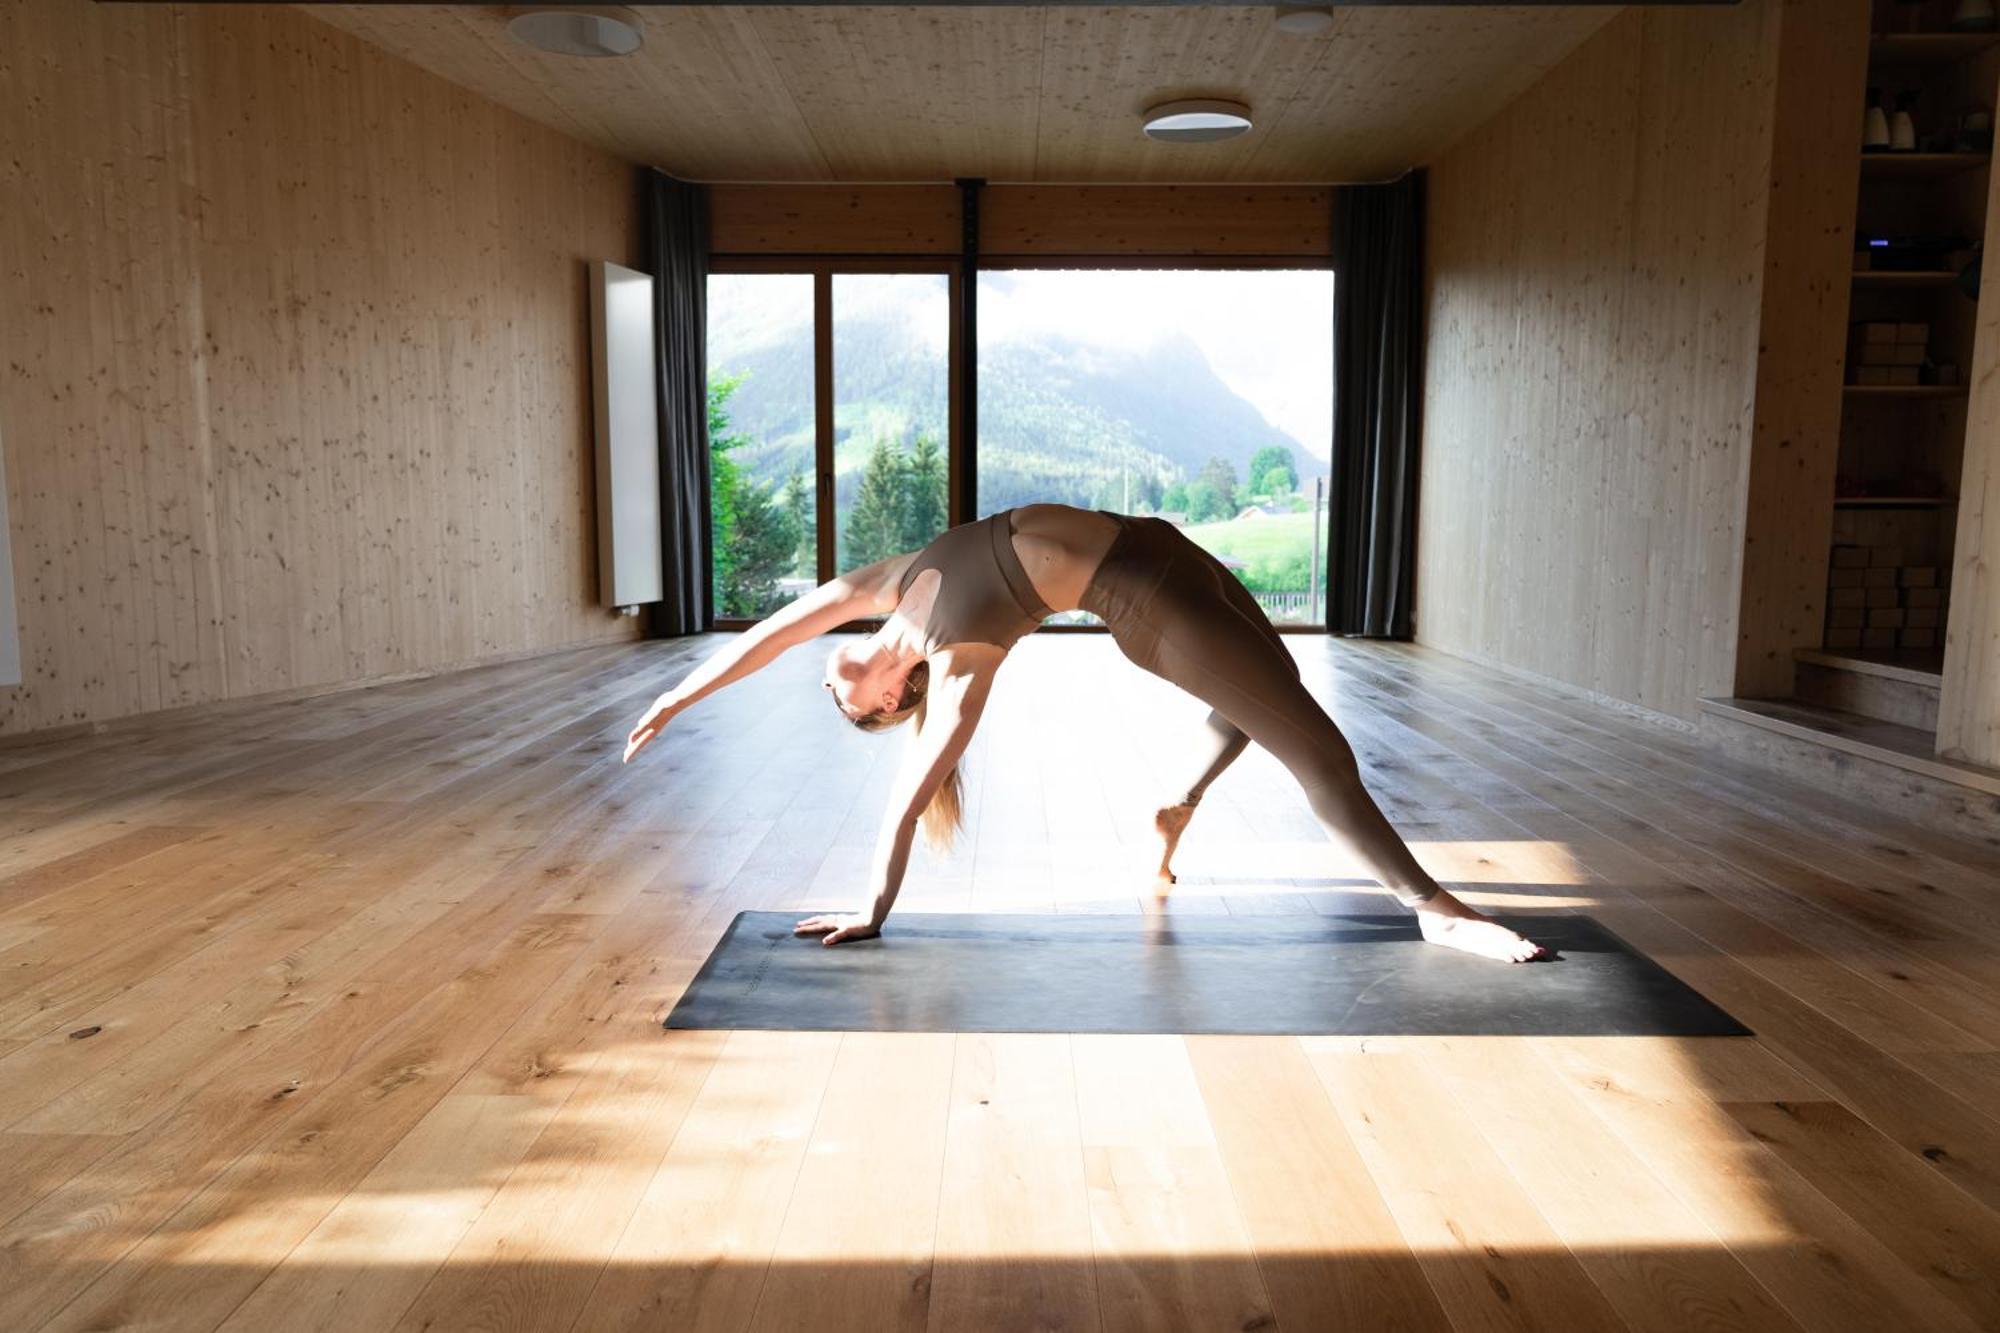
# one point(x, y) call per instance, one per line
point(1888, 765)
point(1898, 687)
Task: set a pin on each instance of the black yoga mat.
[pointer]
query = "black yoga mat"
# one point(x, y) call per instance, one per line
point(1347, 975)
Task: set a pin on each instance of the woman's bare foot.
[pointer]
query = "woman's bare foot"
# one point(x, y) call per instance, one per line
point(1447, 921)
point(1170, 821)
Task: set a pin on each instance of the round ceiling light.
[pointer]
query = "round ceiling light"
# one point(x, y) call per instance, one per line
point(1304, 20)
point(577, 30)
point(1197, 121)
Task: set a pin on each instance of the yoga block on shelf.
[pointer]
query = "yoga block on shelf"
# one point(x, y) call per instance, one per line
point(1919, 636)
point(1846, 617)
point(1853, 577)
point(1881, 354)
point(1881, 375)
point(1847, 596)
point(1881, 598)
point(1890, 617)
point(1923, 597)
point(1850, 557)
point(1882, 636)
point(1922, 617)
point(1843, 636)
point(1919, 576)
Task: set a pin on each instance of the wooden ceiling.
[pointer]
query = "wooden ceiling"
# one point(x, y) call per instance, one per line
point(774, 93)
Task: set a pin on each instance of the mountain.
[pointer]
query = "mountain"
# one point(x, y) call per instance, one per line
point(1058, 419)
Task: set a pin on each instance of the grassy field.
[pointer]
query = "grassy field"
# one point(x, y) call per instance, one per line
point(1258, 541)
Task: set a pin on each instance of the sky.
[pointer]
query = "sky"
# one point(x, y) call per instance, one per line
point(1268, 334)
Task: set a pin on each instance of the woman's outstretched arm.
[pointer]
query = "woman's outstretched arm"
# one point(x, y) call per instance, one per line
point(961, 678)
point(862, 592)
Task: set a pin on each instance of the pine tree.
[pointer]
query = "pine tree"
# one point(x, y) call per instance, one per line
point(798, 502)
point(1146, 492)
point(756, 540)
point(926, 479)
point(1203, 504)
point(765, 542)
point(875, 523)
point(1220, 473)
point(724, 477)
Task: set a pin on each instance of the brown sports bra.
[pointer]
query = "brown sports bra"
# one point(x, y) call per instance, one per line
point(984, 595)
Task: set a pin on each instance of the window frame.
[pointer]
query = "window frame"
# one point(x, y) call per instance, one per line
point(823, 268)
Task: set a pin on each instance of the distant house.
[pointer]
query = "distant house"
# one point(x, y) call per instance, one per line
point(1177, 517)
point(1258, 511)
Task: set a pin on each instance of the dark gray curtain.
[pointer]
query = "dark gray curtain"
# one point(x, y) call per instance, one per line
point(1378, 349)
point(676, 223)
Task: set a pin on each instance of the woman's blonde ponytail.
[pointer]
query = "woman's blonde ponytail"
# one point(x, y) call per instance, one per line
point(945, 815)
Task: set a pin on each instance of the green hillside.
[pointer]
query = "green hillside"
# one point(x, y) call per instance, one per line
point(1057, 421)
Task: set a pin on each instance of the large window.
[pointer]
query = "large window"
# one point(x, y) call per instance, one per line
point(761, 430)
point(1201, 395)
point(1204, 396)
point(891, 413)
point(802, 487)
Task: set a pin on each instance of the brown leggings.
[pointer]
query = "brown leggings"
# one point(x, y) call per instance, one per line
point(1176, 611)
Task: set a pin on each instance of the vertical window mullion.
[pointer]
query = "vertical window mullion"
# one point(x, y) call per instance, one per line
point(823, 416)
point(960, 507)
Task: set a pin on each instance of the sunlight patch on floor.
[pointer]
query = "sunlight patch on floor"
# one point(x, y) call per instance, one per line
point(755, 1107)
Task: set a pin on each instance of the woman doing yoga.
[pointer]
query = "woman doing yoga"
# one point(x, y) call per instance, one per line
point(956, 607)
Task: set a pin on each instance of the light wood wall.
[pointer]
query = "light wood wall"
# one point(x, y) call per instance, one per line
point(1808, 266)
point(1595, 256)
point(10, 628)
point(296, 344)
point(1019, 221)
point(1276, 221)
point(1969, 705)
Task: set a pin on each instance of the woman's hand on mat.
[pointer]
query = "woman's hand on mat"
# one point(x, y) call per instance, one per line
point(838, 929)
point(651, 725)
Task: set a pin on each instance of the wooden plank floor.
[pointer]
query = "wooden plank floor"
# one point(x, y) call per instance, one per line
point(343, 1014)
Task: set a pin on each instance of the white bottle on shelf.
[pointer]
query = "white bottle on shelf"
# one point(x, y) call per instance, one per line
point(1874, 124)
point(1902, 128)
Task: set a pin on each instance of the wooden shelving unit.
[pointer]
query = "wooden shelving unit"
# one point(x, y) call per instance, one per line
point(1875, 277)
point(1921, 164)
point(1929, 48)
point(1916, 668)
point(1894, 621)
point(1892, 501)
point(1902, 445)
